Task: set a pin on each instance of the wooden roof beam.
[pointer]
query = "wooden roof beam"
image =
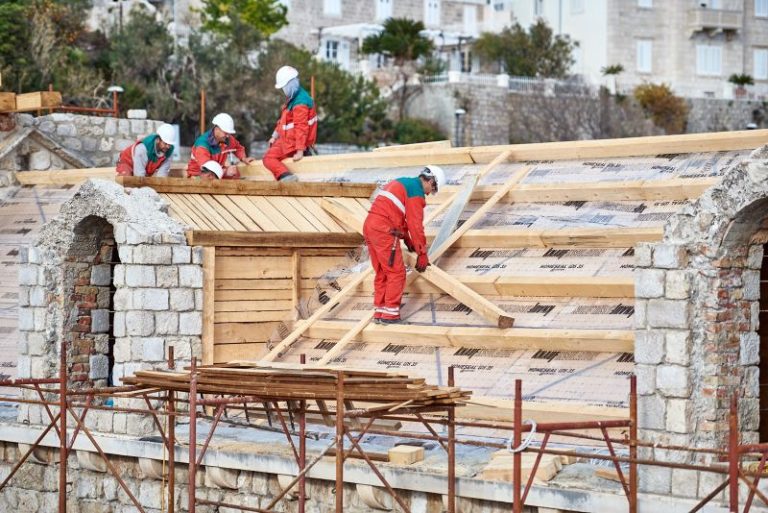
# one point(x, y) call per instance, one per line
point(274, 239)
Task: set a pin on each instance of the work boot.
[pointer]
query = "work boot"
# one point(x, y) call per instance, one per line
point(288, 177)
point(390, 321)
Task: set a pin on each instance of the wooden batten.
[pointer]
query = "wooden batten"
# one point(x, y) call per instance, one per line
point(250, 187)
point(608, 237)
point(599, 341)
point(273, 239)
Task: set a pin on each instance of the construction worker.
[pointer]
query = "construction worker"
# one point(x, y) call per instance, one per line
point(296, 130)
point(220, 145)
point(397, 213)
point(150, 156)
point(211, 170)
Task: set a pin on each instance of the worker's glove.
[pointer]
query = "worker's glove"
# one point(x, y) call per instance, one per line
point(422, 262)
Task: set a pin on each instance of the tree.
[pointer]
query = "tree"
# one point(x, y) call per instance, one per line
point(401, 40)
point(535, 53)
point(244, 23)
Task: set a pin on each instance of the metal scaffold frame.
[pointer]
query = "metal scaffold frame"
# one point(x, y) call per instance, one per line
point(353, 424)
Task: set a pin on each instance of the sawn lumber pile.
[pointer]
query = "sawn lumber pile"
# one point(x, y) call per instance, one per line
point(282, 382)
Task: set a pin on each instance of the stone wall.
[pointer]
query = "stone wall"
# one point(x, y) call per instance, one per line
point(490, 110)
point(697, 314)
point(98, 138)
point(157, 297)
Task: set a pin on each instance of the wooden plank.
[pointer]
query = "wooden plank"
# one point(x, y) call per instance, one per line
point(295, 282)
point(7, 101)
point(181, 213)
point(253, 284)
point(430, 145)
point(608, 237)
point(252, 268)
point(252, 306)
point(27, 102)
point(213, 214)
point(235, 209)
point(254, 213)
point(627, 147)
point(250, 187)
point(309, 215)
point(500, 409)
point(274, 239)
point(564, 286)
point(314, 205)
point(195, 209)
point(209, 273)
point(675, 189)
point(598, 341)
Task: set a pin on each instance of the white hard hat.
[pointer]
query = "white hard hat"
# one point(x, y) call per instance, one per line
point(285, 75)
point(436, 173)
point(225, 122)
point(214, 167)
point(166, 133)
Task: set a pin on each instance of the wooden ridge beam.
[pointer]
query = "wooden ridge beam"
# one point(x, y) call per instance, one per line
point(599, 341)
point(250, 187)
point(429, 145)
point(676, 189)
point(274, 239)
point(608, 237)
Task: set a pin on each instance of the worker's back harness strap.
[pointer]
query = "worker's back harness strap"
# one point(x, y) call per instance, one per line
point(391, 197)
point(290, 126)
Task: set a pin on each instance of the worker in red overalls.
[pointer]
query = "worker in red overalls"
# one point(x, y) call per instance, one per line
point(296, 130)
point(150, 156)
point(218, 144)
point(397, 213)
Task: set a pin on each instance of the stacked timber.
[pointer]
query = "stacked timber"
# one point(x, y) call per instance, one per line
point(290, 382)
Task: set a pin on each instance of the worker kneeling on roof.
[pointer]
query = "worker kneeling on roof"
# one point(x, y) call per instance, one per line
point(296, 130)
point(150, 156)
point(218, 144)
point(211, 170)
point(397, 213)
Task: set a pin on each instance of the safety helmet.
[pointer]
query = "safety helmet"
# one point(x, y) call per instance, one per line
point(285, 75)
point(225, 122)
point(166, 133)
point(214, 167)
point(436, 174)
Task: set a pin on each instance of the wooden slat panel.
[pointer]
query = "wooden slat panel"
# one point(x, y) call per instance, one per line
point(198, 220)
point(213, 214)
point(288, 209)
point(253, 284)
point(213, 222)
point(252, 267)
point(214, 202)
point(277, 315)
point(237, 333)
point(181, 214)
point(316, 266)
point(252, 306)
point(238, 213)
point(255, 213)
point(283, 224)
point(309, 214)
point(252, 295)
point(229, 352)
point(314, 205)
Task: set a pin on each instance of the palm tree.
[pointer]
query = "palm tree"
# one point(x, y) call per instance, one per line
point(402, 41)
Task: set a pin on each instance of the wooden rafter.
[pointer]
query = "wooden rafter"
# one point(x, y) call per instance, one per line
point(273, 239)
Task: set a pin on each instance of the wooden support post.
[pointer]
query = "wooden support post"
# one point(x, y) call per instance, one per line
point(209, 298)
point(296, 283)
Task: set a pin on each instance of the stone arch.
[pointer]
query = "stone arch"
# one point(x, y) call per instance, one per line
point(111, 258)
point(698, 304)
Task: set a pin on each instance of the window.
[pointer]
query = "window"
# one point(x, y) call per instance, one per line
point(331, 50)
point(761, 8)
point(646, 4)
point(644, 55)
point(470, 20)
point(332, 7)
point(383, 9)
point(709, 60)
point(431, 13)
point(760, 66)
point(577, 6)
point(538, 7)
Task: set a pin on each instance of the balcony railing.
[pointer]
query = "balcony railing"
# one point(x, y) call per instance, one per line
point(727, 15)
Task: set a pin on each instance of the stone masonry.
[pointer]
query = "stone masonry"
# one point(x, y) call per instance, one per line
point(696, 334)
point(69, 277)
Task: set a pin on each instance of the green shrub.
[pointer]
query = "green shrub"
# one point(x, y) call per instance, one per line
point(414, 130)
point(668, 112)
